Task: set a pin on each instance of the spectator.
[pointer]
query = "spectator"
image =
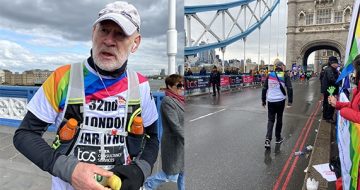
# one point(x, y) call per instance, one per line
point(321, 77)
point(215, 80)
point(233, 71)
point(172, 142)
point(330, 76)
point(188, 72)
point(227, 71)
point(308, 75)
point(202, 71)
point(350, 110)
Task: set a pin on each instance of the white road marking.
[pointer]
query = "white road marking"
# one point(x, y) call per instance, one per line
point(207, 115)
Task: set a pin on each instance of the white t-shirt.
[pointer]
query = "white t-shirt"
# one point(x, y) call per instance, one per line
point(104, 107)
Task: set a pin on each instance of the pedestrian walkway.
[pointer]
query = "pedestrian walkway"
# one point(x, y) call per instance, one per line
point(320, 155)
point(18, 173)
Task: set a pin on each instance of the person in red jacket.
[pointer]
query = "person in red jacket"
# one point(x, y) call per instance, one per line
point(350, 110)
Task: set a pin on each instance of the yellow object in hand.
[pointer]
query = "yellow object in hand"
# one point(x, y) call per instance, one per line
point(114, 182)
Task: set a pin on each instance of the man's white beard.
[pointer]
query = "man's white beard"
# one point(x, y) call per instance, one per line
point(107, 65)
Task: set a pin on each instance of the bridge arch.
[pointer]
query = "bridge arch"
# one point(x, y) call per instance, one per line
point(312, 46)
point(326, 27)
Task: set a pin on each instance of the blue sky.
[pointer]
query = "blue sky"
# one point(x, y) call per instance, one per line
point(46, 34)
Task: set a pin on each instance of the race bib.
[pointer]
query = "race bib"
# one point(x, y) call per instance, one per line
point(101, 116)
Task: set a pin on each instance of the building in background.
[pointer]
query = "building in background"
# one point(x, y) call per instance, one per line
point(180, 69)
point(2, 76)
point(162, 72)
point(40, 76)
point(34, 77)
point(28, 78)
point(8, 75)
point(208, 56)
point(16, 79)
point(321, 58)
point(315, 26)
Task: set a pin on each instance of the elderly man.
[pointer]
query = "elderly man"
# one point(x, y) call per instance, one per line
point(104, 97)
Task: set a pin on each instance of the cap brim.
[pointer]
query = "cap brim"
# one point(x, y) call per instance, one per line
point(128, 27)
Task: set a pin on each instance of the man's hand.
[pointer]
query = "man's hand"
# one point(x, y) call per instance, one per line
point(131, 176)
point(264, 104)
point(83, 176)
point(289, 105)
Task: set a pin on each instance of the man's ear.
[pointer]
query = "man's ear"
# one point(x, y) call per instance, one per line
point(93, 32)
point(94, 28)
point(136, 44)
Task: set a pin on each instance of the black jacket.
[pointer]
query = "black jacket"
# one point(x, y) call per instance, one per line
point(329, 78)
point(215, 77)
point(202, 72)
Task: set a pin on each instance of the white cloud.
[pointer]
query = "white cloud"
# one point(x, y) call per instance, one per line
point(12, 55)
point(152, 56)
point(45, 35)
point(16, 58)
point(50, 41)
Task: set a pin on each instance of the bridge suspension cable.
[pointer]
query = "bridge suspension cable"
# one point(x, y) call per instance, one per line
point(197, 27)
point(269, 45)
point(258, 64)
point(278, 34)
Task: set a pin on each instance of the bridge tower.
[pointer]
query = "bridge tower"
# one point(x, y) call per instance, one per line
point(314, 25)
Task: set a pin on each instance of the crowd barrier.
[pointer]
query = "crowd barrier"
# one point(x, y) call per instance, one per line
point(201, 84)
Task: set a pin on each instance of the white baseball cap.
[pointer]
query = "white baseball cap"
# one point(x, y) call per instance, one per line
point(123, 14)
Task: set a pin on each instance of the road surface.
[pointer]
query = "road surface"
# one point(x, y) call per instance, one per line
point(224, 140)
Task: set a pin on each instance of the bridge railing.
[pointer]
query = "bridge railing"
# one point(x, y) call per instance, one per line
point(13, 101)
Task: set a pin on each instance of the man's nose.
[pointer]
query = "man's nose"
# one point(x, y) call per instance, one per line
point(110, 39)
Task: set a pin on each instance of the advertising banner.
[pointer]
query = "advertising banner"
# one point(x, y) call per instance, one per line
point(224, 80)
point(203, 82)
point(247, 79)
point(191, 83)
point(235, 80)
point(195, 82)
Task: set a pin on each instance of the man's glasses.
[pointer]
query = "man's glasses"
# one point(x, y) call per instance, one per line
point(180, 85)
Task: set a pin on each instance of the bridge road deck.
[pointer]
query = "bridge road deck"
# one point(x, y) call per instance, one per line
point(225, 140)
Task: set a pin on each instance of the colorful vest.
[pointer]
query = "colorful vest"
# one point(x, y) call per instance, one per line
point(103, 129)
point(274, 93)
